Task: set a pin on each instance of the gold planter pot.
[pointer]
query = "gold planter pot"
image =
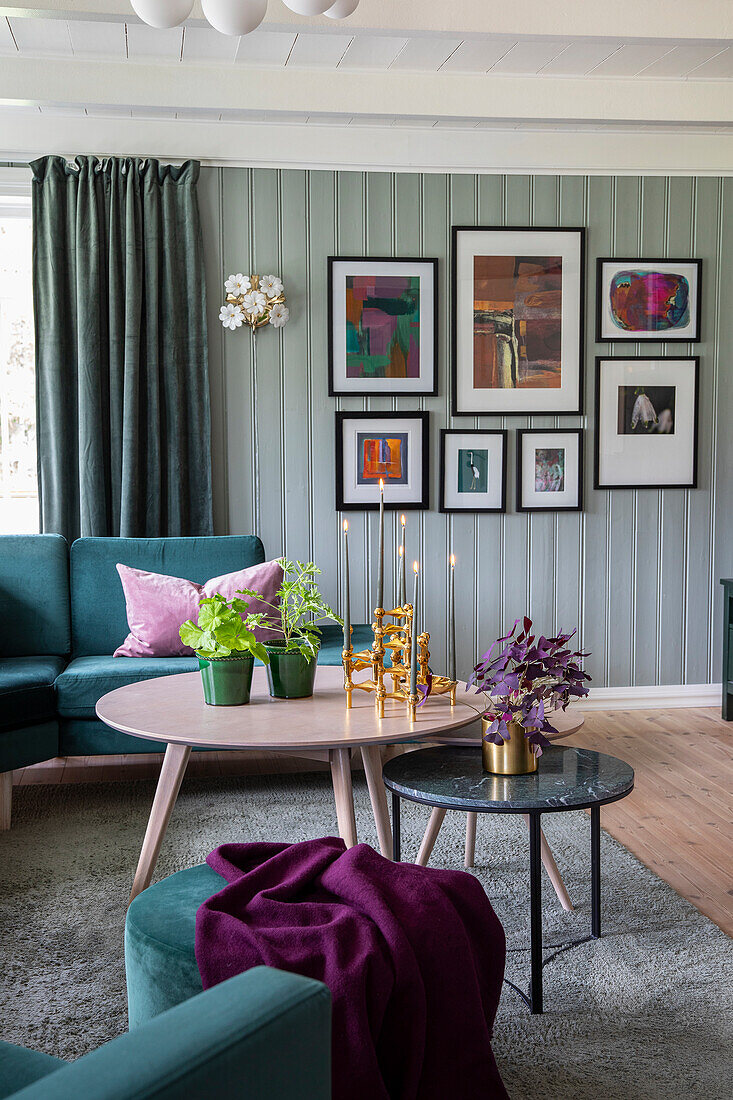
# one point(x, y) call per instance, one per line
point(514, 757)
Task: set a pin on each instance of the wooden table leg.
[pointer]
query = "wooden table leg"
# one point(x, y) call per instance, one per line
point(551, 867)
point(470, 856)
point(340, 760)
point(169, 784)
point(431, 835)
point(372, 757)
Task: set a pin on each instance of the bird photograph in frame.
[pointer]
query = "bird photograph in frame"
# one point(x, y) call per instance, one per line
point(473, 470)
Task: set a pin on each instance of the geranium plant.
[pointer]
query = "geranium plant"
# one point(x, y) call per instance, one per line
point(527, 677)
point(222, 631)
point(298, 609)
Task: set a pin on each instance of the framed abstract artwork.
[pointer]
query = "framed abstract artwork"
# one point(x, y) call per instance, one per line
point(473, 470)
point(549, 469)
point(392, 446)
point(649, 300)
point(646, 423)
point(382, 327)
point(517, 320)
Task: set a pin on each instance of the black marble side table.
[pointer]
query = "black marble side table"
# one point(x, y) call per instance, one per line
point(567, 779)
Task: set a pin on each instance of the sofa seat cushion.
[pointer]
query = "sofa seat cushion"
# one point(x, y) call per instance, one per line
point(20, 1067)
point(83, 683)
point(26, 689)
point(332, 642)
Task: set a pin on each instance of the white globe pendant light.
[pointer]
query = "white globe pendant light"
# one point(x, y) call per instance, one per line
point(342, 9)
point(234, 16)
point(163, 13)
point(308, 7)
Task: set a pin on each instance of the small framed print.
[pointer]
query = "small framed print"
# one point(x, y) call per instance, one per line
point(382, 327)
point(549, 469)
point(392, 446)
point(473, 470)
point(649, 300)
point(517, 320)
point(646, 423)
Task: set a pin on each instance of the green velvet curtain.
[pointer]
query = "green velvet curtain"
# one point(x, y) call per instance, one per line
point(122, 381)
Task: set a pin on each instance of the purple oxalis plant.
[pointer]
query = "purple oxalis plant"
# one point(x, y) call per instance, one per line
point(528, 676)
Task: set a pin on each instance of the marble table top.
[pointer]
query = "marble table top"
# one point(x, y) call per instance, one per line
point(567, 778)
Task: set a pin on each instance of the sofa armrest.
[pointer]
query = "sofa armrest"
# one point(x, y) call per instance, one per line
point(262, 1035)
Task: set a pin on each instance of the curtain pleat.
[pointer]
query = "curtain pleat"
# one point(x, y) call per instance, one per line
point(123, 415)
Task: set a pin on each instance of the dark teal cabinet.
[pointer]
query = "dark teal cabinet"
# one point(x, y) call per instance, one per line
point(727, 650)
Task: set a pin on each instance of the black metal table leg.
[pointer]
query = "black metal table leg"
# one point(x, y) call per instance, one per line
point(396, 855)
point(595, 870)
point(535, 914)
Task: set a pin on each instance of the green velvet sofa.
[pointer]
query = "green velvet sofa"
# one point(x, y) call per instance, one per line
point(63, 612)
point(262, 1035)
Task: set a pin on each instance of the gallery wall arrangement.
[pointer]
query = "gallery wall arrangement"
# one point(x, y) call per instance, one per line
point(442, 337)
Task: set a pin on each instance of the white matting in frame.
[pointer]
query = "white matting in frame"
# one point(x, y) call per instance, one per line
point(473, 470)
point(550, 473)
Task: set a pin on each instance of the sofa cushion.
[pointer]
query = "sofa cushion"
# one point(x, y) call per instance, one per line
point(20, 1067)
point(34, 595)
point(26, 689)
point(83, 683)
point(98, 614)
point(332, 642)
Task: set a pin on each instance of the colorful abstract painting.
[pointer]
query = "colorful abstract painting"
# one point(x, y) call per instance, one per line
point(646, 410)
point(473, 470)
point(382, 456)
point(549, 469)
point(382, 326)
point(517, 322)
point(649, 301)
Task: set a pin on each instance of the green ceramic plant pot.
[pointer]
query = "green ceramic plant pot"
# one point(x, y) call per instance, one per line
point(227, 680)
point(290, 675)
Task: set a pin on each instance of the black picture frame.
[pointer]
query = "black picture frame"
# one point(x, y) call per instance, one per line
point(600, 359)
point(444, 435)
point(577, 407)
point(348, 506)
point(656, 337)
point(580, 433)
point(430, 390)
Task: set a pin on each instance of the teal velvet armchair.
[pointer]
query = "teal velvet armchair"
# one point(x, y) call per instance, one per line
point(263, 1035)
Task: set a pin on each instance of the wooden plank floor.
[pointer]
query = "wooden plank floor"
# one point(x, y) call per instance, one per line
point(677, 821)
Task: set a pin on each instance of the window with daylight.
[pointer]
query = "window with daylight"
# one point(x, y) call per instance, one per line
point(18, 474)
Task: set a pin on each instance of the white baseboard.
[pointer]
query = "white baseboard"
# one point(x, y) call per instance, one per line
point(652, 697)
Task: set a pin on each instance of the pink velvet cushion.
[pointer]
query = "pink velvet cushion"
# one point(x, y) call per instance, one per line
point(157, 605)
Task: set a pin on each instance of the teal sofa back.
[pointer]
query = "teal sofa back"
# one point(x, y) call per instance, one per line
point(34, 596)
point(98, 614)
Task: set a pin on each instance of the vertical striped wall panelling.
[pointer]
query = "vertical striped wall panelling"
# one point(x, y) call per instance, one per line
point(637, 571)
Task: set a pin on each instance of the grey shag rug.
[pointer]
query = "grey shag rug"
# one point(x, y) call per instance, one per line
point(642, 1014)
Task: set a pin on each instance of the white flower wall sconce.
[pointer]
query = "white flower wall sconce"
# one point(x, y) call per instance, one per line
point(254, 300)
point(234, 16)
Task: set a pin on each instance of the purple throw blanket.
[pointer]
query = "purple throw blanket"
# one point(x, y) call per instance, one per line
point(413, 956)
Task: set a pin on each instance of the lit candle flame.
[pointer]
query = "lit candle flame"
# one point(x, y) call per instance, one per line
point(452, 561)
point(346, 525)
point(402, 520)
point(401, 551)
point(381, 484)
point(415, 567)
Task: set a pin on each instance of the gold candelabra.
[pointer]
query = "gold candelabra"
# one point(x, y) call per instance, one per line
point(394, 637)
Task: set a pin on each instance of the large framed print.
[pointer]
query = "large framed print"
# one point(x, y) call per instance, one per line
point(646, 423)
point(473, 470)
point(517, 320)
point(649, 300)
point(549, 469)
point(391, 446)
point(382, 326)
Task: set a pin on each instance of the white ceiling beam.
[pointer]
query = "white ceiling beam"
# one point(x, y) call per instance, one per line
point(436, 95)
point(629, 19)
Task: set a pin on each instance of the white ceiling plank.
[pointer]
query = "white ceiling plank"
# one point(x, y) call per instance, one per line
point(720, 66)
point(318, 51)
point(206, 44)
point(528, 57)
point(425, 54)
point(7, 42)
point(146, 43)
point(265, 48)
point(631, 59)
point(40, 37)
point(369, 51)
point(475, 56)
point(679, 61)
point(579, 58)
point(91, 39)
